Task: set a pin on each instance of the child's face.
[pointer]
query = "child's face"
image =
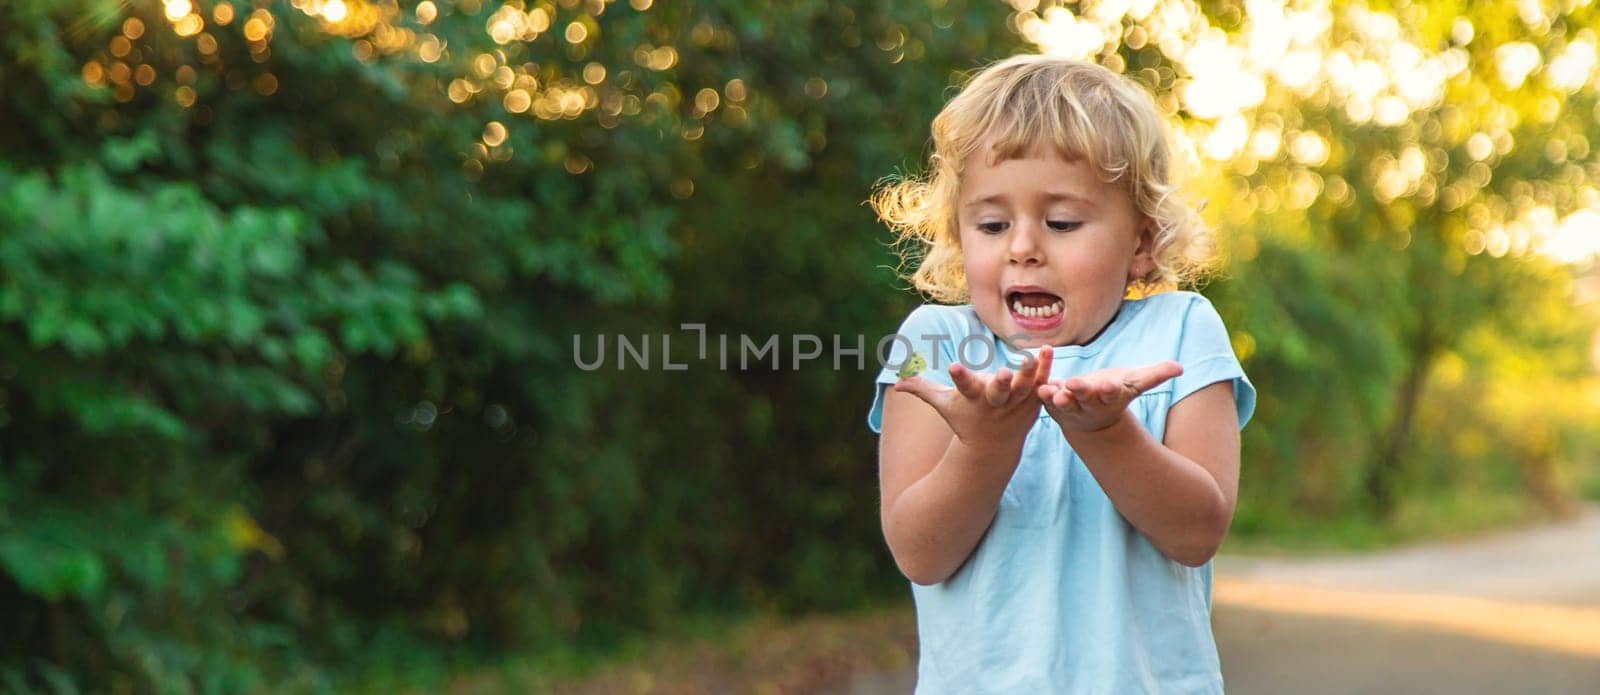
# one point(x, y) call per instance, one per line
point(1048, 247)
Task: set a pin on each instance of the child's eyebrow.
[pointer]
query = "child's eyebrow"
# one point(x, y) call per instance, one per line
point(1048, 197)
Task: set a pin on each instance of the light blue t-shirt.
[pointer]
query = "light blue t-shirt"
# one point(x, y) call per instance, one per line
point(1062, 594)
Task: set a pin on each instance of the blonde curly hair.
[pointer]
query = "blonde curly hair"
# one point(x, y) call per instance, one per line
point(1088, 113)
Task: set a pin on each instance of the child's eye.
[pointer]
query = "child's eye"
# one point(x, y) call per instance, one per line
point(1062, 226)
point(992, 227)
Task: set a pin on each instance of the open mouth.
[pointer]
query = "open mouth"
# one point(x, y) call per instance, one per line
point(1034, 306)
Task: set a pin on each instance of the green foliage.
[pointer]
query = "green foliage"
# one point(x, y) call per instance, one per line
point(286, 362)
point(1356, 288)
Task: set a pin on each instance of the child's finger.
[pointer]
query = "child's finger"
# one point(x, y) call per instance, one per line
point(1046, 358)
point(923, 389)
point(1109, 391)
point(966, 382)
point(1064, 399)
point(999, 387)
point(1046, 391)
point(1026, 371)
point(1026, 379)
point(1148, 377)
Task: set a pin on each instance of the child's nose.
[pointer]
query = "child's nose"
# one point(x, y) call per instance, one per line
point(1024, 246)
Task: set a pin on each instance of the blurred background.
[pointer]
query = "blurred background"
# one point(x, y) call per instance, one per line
point(289, 294)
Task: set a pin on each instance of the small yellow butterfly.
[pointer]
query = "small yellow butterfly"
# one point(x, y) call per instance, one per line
point(913, 366)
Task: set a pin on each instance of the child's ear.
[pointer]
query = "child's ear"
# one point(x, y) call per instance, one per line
point(1144, 254)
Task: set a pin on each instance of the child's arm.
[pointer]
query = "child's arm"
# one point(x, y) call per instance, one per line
point(1180, 494)
point(945, 458)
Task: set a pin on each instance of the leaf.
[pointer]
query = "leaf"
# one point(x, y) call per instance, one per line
point(49, 569)
point(127, 154)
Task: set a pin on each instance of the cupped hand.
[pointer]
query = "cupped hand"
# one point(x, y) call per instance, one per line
point(986, 408)
point(1095, 401)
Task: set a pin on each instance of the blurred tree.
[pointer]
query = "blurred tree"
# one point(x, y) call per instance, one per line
point(294, 284)
point(1384, 178)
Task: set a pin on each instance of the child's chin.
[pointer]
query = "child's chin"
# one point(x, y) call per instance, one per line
point(1029, 341)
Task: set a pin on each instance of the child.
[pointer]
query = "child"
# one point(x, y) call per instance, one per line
point(1056, 482)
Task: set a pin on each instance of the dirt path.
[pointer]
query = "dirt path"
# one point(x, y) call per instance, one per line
point(1513, 612)
point(1557, 563)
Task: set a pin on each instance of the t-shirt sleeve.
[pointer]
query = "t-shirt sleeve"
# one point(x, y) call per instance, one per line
point(1207, 358)
point(924, 331)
